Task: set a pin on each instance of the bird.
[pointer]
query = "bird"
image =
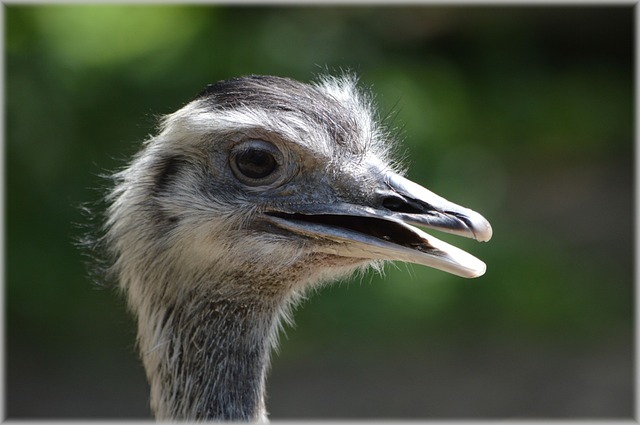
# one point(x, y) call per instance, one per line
point(257, 190)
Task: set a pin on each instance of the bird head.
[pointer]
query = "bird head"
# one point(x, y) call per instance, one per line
point(273, 178)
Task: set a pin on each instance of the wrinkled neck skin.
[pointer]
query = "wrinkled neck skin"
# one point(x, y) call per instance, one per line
point(209, 359)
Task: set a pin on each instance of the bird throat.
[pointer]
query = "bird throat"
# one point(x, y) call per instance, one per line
point(210, 361)
point(206, 349)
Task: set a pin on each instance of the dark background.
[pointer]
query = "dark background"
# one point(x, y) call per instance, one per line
point(524, 114)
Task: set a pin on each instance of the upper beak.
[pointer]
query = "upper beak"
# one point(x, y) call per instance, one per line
point(383, 230)
point(417, 205)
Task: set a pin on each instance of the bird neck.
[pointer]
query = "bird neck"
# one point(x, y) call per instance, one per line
point(208, 360)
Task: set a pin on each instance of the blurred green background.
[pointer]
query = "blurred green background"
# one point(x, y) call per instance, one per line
point(524, 114)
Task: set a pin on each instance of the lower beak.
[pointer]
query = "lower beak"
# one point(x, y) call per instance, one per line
point(384, 228)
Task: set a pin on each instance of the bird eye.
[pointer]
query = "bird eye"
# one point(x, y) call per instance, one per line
point(255, 162)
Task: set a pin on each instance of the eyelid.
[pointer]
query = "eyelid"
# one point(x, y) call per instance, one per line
point(257, 143)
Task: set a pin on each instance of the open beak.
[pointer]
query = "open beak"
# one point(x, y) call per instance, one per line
point(383, 229)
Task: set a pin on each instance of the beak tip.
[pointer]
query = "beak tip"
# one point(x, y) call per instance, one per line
point(486, 233)
point(481, 228)
point(478, 270)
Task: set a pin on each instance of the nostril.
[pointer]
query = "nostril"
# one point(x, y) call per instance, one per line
point(399, 204)
point(392, 203)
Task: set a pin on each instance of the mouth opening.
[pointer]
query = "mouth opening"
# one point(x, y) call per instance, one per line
point(385, 230)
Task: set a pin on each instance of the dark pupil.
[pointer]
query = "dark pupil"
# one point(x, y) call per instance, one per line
point(255, 163)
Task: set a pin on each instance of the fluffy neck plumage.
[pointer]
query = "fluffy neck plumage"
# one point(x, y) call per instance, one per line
point(205, 341)
point(207, 359)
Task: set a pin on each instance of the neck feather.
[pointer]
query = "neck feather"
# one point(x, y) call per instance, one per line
point(205, 343)
point(208, 359)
